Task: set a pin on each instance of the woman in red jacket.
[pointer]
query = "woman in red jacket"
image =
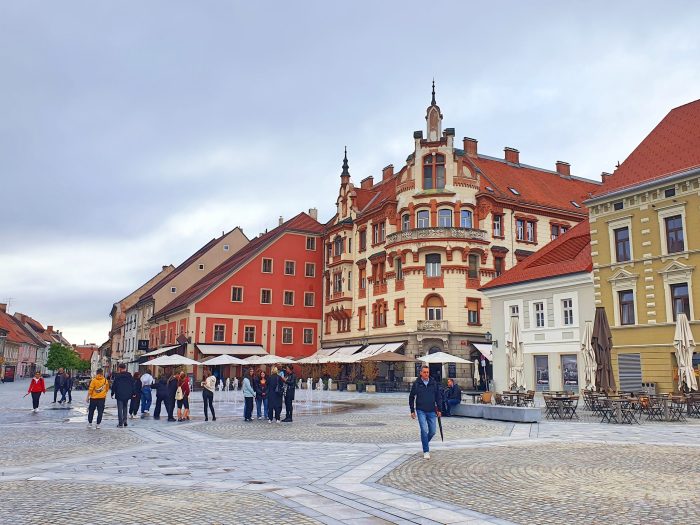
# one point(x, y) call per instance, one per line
point(36, 388)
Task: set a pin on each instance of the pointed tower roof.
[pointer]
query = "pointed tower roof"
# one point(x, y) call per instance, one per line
point(433, 117)
point(345, 174)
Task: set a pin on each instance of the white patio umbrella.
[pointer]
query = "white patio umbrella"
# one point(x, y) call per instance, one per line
point(477, 376)
point(224, 360)
point(514, 352)
point(267, 360)
point(685, 346)
point(588, 355)
point(441, 358)
point(171, 360)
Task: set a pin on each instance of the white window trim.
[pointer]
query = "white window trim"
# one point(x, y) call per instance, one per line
point(254, 333)
point(613, 225)
point(313, 296)
point(451, 215)
point(306, 267)
point(285, 267)
point(201, 267)
point(261, 295)
point(284, 298)
point(262, 265)
point(663, 214)
point(677, 273)
point(533, 316)
point(624, 281)
point(303, 340)
point(559, 310)
point(242, 294)
point(291, 333)
point(226, 247)
point(213, 334)
point(307, 244)
point(418, 212)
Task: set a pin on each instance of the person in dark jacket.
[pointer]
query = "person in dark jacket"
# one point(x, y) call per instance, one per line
point(135, 395)
point(452, 395)
point(68, 387)
point(122, 388)
point(170, 397)
point(161, 396)
point(290, 381)
point(260, 387)
point(275, 390)
point(58, 383)
point(424, 403)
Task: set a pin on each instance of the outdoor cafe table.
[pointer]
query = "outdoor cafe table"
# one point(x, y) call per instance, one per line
point(515, 397)
point(617, 403)
point(475, 394)
point(560, 400)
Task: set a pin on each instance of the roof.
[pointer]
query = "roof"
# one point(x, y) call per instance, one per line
point(16, 332)
point(302, 223)
point(568, 254)
point(534, 185)
point(673, 146)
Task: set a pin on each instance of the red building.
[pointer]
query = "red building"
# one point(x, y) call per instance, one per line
point(267, 298)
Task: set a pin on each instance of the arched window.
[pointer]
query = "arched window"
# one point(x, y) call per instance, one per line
point(432, 265)
point(433, 310)
point(423, 219)
point(405, 222)
point(473, 266)
point(445, 218)
point(434, 172)
point(465, 220)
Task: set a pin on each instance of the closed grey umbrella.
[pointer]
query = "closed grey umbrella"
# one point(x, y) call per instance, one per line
point(685, 346)
point(602, 346)
point(588, 356)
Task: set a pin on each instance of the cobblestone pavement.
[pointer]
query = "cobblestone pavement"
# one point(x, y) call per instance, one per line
point(348, 459)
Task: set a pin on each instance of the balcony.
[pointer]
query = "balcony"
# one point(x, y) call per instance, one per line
point(420, 234)
point(432, 326)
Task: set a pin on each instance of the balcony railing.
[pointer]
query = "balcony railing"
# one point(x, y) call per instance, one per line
point(436, 233)
point(432, 326)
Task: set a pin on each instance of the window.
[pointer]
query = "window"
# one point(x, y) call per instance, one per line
point(473, 266)
point(267, 265)
point(308, 336)
point(337, 282)
point(669, 192)
point(434, 309)
point(622, 244)
point(498, 225)
point(349, 281)
point(399, 307)
point(445, 218)
point(498, 265)
point(520, 229)
point(290, 267)
point(513, 191)
point(249, 334)
point(361, 314)
point(681, 300)
point(465, 219)
point(378, 233)
point(563, 229)
point(434, 172)
point(219, 333)
point(338, 246)
point(236, 294)
point(399, 269)
point(530, 231)
point(363, 240)
point(266, 296)
point(311, 244)
point(226, 247)
point(514, 310)
point(173, 290)
point(555, 231)
point(363, 278)
point(379, 308)
point(432, 265)
point(287, 336)
point(617, 206)
point(575, 204)
point(473, 308)
point(674, 234)
point(309, 298)
point(423, 219)
point(405, 222)
point(539, 315)
point(310, 270)
point(288, 298)
point(567, 308)
point(201, 267)
point(626, 301)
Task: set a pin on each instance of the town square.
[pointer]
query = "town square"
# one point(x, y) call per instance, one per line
point(350, 264)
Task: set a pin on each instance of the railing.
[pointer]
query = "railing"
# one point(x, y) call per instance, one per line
point(436, 233)
point(432, 326)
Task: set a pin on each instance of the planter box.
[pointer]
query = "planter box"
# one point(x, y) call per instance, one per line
point(334, 386)
point(352, 387)
point(371, 388)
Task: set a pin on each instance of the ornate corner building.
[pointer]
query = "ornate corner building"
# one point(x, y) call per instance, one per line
point(405, 256)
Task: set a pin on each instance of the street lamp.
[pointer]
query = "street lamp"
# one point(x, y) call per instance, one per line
point(3, 340)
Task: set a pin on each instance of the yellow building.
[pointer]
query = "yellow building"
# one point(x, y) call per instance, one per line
point(645, 239)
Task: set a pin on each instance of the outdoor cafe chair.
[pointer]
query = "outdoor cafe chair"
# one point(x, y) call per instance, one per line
point(628, 412)
point(655, 410)
point(569, 407)
point(529, 399)
point(677, 409)
point(551, 409)
point(606, 410)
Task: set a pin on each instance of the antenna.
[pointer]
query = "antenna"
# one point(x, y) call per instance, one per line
point(8, 301)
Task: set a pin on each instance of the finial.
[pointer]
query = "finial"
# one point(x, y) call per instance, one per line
point(346, 171)
point(433, 101)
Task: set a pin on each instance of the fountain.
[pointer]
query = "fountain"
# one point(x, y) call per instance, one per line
point(227, 388)
point(309, 391)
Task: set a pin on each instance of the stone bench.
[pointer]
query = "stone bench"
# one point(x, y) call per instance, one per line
point(499, 412)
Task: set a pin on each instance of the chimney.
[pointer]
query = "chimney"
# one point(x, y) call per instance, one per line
point(313, 213)
point(512, 155)
point(165, 267)
point(388, 172)
point(367, 183)
point(49, 329)
point(470, 146)
point(281, 220)
point(604, 176)
point(3, 307)
point(564, 169)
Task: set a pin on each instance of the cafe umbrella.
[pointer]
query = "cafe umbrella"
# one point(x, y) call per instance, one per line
point(602, 346)
point(477, 377)
point(685, 346)
point(514, 350)
point(588, 356)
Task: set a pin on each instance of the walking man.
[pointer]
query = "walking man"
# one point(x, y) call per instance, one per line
point(68, 386)
point(248, 395)
point(97, 394)
point(122, 388)
point(424, 402)
point(291, 383)
point(161, 396)
point(36, 388)
point(170, 398)
point(146, 397)
point(58, 383)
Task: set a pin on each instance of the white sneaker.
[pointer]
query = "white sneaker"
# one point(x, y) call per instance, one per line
point(277, 421)
point(259, 417)
point(426, 455)
point(89, 426)
point(269, 421)
point(97, 427)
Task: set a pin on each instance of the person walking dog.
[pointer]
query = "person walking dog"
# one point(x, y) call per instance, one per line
point(424, 403)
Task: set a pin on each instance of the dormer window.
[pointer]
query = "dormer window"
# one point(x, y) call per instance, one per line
point(577, 205)
point(489, 188)
point(434, 172)
point(513, 191)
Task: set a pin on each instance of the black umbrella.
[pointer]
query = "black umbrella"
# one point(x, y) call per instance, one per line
point(602, 345)
point(442, 436)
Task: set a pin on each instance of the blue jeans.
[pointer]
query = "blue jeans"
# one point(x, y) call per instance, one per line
point(261, 401)
point(428, 423)
point(452, 403)
point(146, 399)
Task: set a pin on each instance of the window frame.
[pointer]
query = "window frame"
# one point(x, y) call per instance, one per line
point(293, 267)
point(263, 262)
point(445, 215)
point(437, 160)
point(310, 338)
point(262, 291)
point(222, 331)
point(249, 329)
point(240, 289)
point(313, 269)
point(686, 302)
point(623, 304)
point(285, 294)
point(313, 299)
point(466, 213)
point(312, 243)
point(287, 330)
point(623, 246)
point(405, 222)
point(423, 216)
point(433, 268)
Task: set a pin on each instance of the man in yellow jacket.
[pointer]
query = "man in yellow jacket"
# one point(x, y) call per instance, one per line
point(97, 393)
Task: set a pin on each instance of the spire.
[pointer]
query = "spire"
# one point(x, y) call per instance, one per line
point(346, 170)
point(432, 102)
point(433, 116)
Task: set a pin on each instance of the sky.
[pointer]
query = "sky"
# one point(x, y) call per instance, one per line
point(132, 133)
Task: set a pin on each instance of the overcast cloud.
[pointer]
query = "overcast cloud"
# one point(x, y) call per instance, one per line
point(131, 133)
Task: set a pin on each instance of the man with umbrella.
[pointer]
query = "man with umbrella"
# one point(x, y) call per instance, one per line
point(424, 402)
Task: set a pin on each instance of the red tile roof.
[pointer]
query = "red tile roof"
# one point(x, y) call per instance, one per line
point(569, 253)
point(535, 186)
point(16, 332)
point(673, 146)
point(302, 223)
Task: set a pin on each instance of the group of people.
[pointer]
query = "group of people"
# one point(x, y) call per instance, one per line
point(268, 393)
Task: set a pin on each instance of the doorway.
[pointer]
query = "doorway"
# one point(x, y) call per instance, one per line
point(436, 368)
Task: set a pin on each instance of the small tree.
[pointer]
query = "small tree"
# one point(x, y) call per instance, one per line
point(370, 371)
point(82, 365)
point(61, 356)
point(332, 370)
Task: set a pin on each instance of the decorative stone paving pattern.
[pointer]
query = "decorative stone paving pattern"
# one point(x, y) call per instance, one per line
point(24, 445)
point(61, 503)
point(556, 483)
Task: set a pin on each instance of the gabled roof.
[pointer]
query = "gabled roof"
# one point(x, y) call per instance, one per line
point(673, 146)
point(535, 186)
point(570, 253)
point(302, 223)
point(16, 332)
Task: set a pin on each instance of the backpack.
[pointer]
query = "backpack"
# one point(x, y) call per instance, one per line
point(178, 394)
